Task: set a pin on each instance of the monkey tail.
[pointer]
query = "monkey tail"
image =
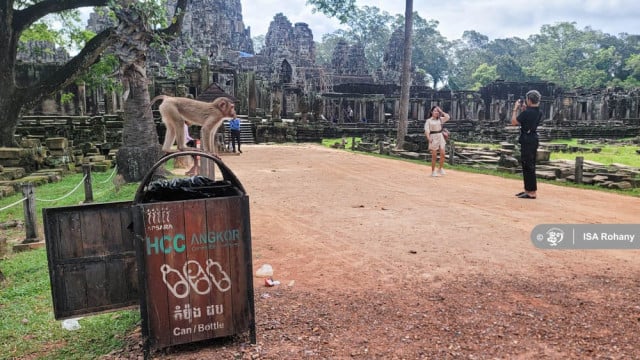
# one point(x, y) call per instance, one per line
point(153, 101)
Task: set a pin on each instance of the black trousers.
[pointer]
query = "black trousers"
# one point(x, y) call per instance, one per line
point(235, 137)
point(528, 159)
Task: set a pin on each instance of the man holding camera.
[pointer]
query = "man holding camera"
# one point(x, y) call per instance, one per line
point(527, 114)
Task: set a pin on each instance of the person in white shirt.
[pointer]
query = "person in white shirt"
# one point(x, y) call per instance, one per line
point(433, 131)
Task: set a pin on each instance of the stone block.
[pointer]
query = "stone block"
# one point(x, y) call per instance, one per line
point(547, 175)
point(57, 152)
point(30, 143)
point(543, 155)
point(28, 246)
point(622, 185)
point(411, 155)
point(12, 173)
point(57, 143)
point(6, 191)
point(100, 167)
point(13, 153)
point(93, 159)
point(37, 180)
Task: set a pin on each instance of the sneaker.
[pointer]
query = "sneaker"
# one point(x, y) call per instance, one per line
point(434, 174)
point(441, 172)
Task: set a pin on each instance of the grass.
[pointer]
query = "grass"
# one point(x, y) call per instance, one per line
point(27, 325)
point(28, 328)
point(62, 193)
point(609, 154)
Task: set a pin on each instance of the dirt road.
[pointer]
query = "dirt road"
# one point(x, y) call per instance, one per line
point(378, 260)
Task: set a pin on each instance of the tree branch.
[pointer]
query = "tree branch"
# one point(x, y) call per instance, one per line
point(24, 18)
point(69, 72)
point(176, 23)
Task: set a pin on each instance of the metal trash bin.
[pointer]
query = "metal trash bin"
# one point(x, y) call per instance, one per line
point(194, 259)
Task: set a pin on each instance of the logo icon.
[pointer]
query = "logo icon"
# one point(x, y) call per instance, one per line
point(554, 236)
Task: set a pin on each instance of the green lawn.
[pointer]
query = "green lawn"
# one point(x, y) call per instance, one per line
point(27, 326)
point(609, 154)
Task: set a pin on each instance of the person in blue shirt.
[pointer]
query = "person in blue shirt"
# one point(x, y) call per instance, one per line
point(234, 129)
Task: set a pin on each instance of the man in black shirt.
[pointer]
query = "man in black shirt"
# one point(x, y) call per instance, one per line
point(528, 119)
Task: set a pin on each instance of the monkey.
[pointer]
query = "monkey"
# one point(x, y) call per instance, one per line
point(175, 110)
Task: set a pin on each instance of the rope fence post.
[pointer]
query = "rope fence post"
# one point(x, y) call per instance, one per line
point(30, 219)
point(88, 190)
point(452, 153)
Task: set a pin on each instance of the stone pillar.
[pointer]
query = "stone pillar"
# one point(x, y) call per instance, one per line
point(396, 109)
point(82, 99)
point(204, 73)
point(251, 79)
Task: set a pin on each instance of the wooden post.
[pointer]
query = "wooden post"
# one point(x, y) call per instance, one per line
point(88, 190)
point(29, 207)
point(578, 171)
point(353, 143)
point(452, 152)
point(381, 147)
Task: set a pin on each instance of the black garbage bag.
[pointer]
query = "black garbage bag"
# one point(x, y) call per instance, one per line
point(196, 187)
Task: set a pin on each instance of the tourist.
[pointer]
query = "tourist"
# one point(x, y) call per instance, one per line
point(190, 142)
point(528, 116)
point(234, 129)
point(433, 131)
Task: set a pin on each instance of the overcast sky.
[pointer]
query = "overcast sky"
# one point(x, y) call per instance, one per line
point(495, 18)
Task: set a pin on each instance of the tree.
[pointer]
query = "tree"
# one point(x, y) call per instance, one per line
point(568, 56)
point(340, 9)
point(483, 75)
point(371, 28)
point(15, 18)
point(429, 49)
point(406, 76)
point(140, 147)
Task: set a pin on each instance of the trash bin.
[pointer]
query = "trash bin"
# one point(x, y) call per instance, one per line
point(194, 257)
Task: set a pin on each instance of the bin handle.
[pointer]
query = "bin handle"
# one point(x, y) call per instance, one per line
point(227, 174)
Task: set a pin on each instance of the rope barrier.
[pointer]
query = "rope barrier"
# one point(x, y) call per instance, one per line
point(98, 194)
point(15, 203)
point(110, 176)
point(69, 193)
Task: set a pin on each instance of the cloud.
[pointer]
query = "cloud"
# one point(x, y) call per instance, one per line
point(494, 18)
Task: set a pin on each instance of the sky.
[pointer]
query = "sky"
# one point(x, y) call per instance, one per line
point(496, 19)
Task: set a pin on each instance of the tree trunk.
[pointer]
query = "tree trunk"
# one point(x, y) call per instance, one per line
point(9, 105)
point(406, 77)
point(140, 146)
point(9, 120)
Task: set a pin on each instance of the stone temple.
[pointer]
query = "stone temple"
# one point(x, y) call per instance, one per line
point(284, 82)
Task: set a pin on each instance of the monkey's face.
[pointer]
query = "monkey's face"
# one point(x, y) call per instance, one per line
point(232, 109)
point(226, 107)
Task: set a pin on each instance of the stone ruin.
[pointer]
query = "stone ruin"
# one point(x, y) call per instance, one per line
point(287, 96)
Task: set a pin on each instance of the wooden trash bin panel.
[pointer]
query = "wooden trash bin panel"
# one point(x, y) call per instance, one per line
point(91, 258)
point(196, 270)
